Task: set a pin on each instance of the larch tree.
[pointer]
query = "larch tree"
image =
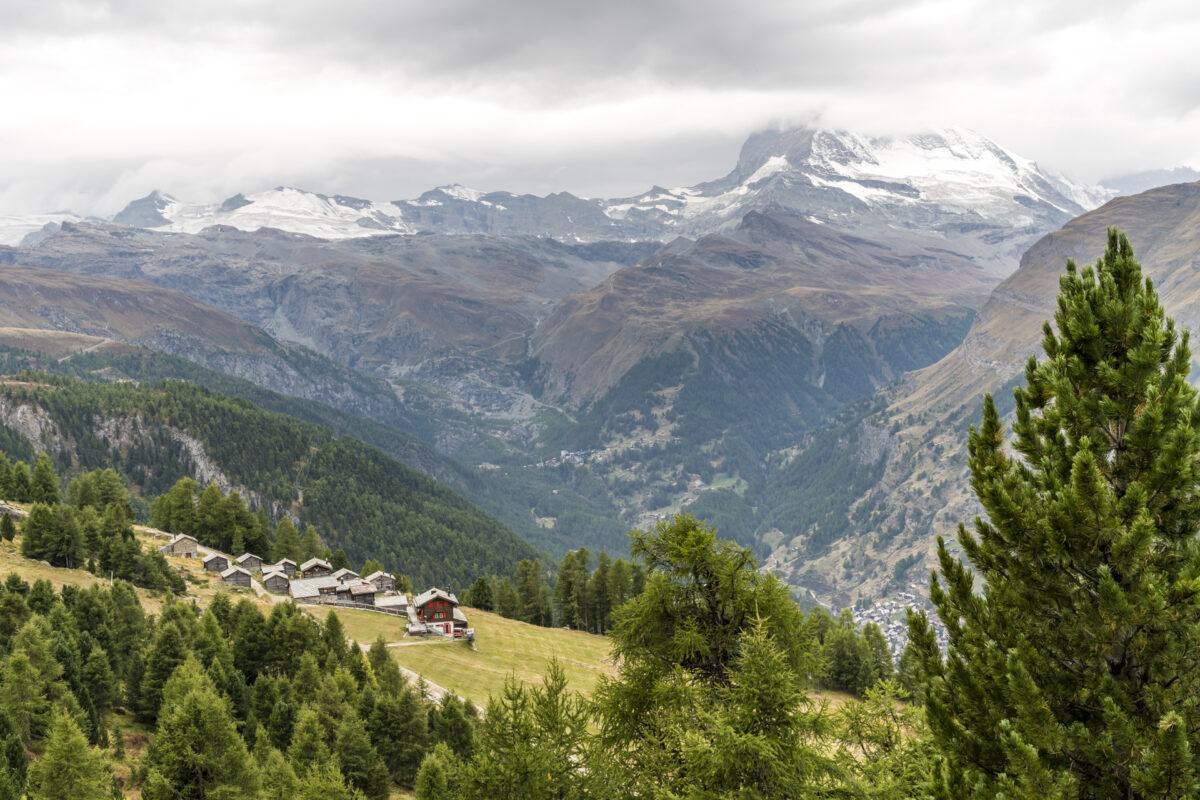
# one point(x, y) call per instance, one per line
point(69, 768)
point(1072, 669)
point(707, 646)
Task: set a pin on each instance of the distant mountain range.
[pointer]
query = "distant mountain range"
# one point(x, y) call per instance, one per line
point(952, 188)
point(728, 348)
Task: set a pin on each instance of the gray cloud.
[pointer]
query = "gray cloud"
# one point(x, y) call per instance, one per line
point(383, 99)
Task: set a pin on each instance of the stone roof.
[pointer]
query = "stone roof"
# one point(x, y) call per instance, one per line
point(283, 561)
point(344, 574)
point(276, 573)
point(392, 601)
point(215, 556)
point(310, 587)
point(244, 557)
point(434, 594)
point(233, 571)
point(314, 562)
point(179, 537)
point(379, 574)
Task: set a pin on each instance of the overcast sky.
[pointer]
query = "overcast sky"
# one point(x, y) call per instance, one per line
point(104, 101)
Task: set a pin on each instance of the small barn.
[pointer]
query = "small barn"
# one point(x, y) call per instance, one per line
point(216, 563)
point(236, 576)
point(276, 582)
point(355, 590)
point(315, 568)
point(181, 545)
point(346, 575)
point(384, 581)
point(284, 565)
point(250, 561)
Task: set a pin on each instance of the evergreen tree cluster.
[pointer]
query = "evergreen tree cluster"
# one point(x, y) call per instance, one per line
point(90, 528)
point(241, 705)
point(710, 700)
point(365, 503)
point(853, 659)
point(575, 596)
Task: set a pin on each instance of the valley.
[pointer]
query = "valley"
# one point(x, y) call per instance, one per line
point(792, 352)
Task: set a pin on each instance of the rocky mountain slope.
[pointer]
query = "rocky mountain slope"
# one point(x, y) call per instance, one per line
point(845, 313)
point(904, 468)
point(450, 311)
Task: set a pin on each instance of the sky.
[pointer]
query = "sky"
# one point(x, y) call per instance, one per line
point(104, 101)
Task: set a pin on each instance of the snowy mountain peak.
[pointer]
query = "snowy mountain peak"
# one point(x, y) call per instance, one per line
point(460, 192)
point(284, 207)
point(946, 186)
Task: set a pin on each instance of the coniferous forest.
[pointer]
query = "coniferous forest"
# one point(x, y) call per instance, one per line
point(360, 500)
point(1069, 671)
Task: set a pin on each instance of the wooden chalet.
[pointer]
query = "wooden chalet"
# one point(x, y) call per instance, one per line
point(284, 565)
point(181, 545)
point(250, 561)
point(356, 592)
point(236, 576)
point(384, 581)
point(216, 563)
point(315, 568)
point(276, 582)
point(346, 575)
point(438, 609)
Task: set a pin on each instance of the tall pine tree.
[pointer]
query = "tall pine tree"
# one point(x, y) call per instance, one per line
point(1073, 670)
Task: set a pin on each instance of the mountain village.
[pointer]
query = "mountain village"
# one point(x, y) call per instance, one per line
point(434, 612)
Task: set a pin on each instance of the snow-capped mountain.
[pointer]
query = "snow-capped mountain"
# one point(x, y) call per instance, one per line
point(954, 186)
point(954, 171)
point(288, 209)
point(16, 228)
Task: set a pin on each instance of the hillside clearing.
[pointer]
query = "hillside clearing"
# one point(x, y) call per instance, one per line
point(504, 647)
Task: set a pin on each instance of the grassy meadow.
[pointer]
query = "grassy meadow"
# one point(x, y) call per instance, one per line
point(503, 647)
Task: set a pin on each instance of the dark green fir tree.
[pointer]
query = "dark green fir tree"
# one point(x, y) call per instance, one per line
point(44, 488)
point(1072, 669)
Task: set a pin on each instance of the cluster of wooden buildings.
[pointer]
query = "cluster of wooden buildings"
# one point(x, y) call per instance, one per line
point(315, 581)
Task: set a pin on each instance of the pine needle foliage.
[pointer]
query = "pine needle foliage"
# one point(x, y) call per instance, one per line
point(1074, 638)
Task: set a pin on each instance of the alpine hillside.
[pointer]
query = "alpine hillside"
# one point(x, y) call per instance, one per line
point(904, 480)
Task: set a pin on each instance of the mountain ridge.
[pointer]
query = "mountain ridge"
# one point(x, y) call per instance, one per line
point(970, 192)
